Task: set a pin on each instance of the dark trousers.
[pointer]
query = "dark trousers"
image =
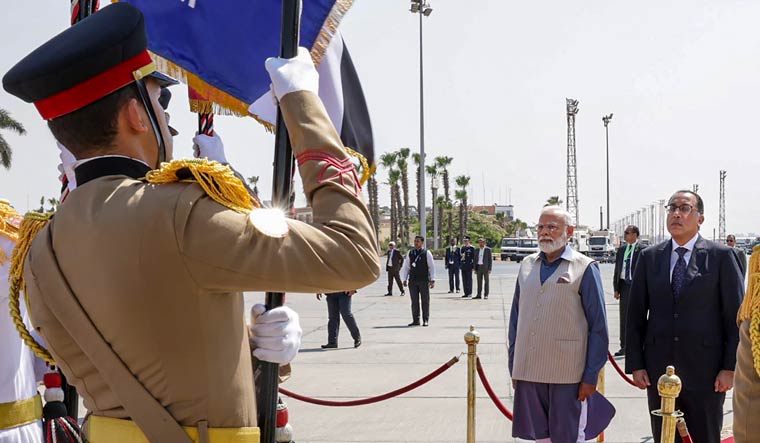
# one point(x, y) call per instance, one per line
point(419, 290)
point(703, 411)
point(482, 275)
point(467, 279)
point(453, 274)
point(625, 292)
point(339, 305)
point(393, 275)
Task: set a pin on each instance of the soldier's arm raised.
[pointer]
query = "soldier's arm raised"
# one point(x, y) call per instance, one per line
point(224, 251)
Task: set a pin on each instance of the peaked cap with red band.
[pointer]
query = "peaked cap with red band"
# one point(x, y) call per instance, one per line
point(86, 62)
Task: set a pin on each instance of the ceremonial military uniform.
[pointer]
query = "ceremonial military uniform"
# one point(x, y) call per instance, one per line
point(20, 404)
point(468, 263)
point(159, 269)
point(747, 376)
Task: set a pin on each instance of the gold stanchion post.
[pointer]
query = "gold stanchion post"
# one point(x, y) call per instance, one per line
point(471, 338)
point(600, 388)
point(669, 386)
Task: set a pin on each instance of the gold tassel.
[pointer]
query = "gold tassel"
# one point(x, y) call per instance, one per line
point(33, 223)
point(367, 171)
point(750, 308)
point(217, 180)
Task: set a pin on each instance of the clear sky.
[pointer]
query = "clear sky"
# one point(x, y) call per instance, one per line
point(682, 78)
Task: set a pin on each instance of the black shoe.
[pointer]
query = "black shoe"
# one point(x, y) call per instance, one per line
point(450, 292)
point(476, 297)
point(388, 295)
point(457, 291)
point(485, 297)
point(403, 293)
point(620, 353)
point(466, 296)
point(414, 323)
point(330, 346)
point(357, 342)
point(425, 323)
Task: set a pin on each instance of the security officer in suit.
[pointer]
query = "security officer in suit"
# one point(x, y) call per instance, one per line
point(683, 308)
point(453, 262)
point(625, 263)
point(483, 264)
point(468, 264)
point(157, 271)
point(393, 262)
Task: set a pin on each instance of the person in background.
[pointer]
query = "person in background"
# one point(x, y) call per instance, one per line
point(393, 268)
point(452, 262)
point(625, 262)
point(419, 274)
point(339, 305)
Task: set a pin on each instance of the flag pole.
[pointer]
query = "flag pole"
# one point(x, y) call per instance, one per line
point(281, 189)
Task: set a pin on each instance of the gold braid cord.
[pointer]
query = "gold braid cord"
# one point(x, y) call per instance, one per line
point(30, 227)
point(367, 171)
point(750, 308)
point(9, 224)
point(216, 179)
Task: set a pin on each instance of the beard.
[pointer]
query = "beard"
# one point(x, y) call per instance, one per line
point(547, 244)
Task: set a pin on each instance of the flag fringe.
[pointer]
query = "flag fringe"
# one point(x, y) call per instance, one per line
point(329, 27)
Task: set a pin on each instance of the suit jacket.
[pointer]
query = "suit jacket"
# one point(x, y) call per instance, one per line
point(397, 259)
point(487, 259)
point(741, 260)
point(620, 267)
point(697, 334)
point(454, 256)
point(160, 271)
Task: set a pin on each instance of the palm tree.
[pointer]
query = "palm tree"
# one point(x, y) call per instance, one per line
point(394, 176)
point(441, 203)
point(7, 122)
point(254, 181)
point(463, 181)
point(553, 201)
point(461, 196)
point(388, 161)
point(432, 171)
point(403, 166)
point(374, 208)
point(443, 164)
point(416, 159)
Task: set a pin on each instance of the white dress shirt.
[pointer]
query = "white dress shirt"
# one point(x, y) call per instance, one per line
point(674, 255)
point(408, 267)
point(481, 254)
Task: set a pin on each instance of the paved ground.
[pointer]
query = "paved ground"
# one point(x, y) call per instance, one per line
point(393, 355)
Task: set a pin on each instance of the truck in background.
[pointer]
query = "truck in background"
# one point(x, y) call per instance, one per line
point(579, 240)
point(603, 246)
point(515, 249)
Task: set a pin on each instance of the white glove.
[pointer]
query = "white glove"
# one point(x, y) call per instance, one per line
point(293, 74)
point(276, 334)
point(210, 147)
point(66, 167)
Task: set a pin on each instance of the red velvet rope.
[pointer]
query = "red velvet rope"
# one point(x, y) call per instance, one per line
point(494, 398)
point(379, 398)
point(620, 371)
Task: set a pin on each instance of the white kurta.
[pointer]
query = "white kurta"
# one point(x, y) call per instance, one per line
point(18, 380)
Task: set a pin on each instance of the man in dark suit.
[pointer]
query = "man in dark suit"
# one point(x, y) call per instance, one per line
point(625, 262)
point(483, 262)
point(682, 311)
point(468, 264)
point(453, 261)
point(393, 266)
point(741, 256)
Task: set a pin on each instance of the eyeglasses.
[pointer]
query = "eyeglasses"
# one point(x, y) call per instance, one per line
point(552, 227)
point(683, 209)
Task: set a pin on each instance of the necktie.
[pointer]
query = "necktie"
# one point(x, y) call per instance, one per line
point(627, 259)
point(679, 273)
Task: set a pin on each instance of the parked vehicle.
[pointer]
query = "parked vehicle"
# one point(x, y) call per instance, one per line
point(603, 246)
point(579, 241)
point(516, 249)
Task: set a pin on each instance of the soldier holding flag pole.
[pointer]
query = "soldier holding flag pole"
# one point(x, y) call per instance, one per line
point(135, 284)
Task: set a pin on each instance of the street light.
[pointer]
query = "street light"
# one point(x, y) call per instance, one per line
point(421, 7)
point(606, 119)
point(434, 188)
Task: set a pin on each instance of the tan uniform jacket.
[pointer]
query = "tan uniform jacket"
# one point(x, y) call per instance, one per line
point(160, 269)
